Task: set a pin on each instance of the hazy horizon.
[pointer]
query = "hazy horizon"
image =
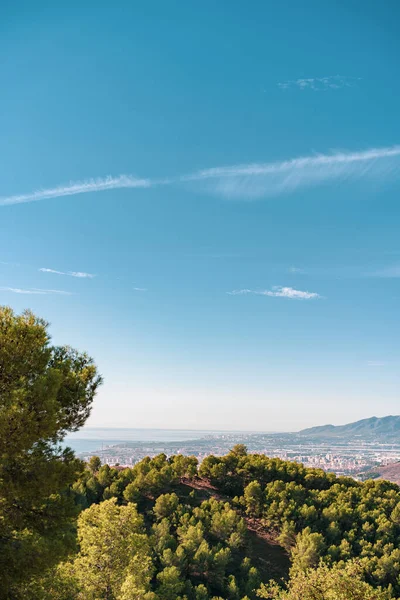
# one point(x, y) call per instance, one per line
point(86, 428)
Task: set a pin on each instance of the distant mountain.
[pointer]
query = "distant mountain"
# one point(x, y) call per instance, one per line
point(382, 427)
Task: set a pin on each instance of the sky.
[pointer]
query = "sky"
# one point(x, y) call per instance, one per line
point(205, 198)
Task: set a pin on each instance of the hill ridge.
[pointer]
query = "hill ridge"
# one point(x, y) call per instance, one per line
point(371, 426)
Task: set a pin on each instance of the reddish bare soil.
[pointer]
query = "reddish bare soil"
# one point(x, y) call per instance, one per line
point(390, 472)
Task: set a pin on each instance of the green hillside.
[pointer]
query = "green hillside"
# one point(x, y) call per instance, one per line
point(173, 529)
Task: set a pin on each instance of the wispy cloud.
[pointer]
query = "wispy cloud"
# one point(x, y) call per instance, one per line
point(274, 178)
point(44, 270)
point(79, 187)
point(320, 84)
point(375, 363)
point(215, 255)
point(34, 291)
point(278, 292)
point(296, 270)
point(139, 289)
point(253, 180)
point(79, 274)
point(387, 272)
point(10, 264)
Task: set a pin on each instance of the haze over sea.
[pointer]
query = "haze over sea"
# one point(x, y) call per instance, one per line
point(92, 438)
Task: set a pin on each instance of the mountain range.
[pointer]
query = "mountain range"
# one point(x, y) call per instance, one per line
point(375, 427)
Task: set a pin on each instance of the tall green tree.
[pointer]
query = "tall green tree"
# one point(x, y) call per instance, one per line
point(114, 554)
point(308, 549)
point(324, 583)
point(171, 584)
point(45, 392)
point(253, 498)
point(94, 464)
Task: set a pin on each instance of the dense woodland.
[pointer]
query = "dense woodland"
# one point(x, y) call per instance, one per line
point(236, 527)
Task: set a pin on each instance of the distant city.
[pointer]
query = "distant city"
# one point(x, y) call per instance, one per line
point(355, 455)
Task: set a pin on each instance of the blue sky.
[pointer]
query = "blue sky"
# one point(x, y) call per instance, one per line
point(216, 187)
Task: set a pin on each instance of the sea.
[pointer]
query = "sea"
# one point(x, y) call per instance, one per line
point(90, 439)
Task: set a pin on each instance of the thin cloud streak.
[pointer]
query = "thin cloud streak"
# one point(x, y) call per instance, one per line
point(278, 292)
point(36, 291)
point(254, 180)
point(10, 264)
point(320, 84)
point(275, 178)
point(79, 187)
point(392, 272)
point(78, 274)
point(44, 270)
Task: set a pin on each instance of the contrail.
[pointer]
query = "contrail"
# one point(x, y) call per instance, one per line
point(79, 187)
point(274, 178)
point(36, 291)
point(247, 180)
point(342, 158)
point(79, 274)
point(278, 292)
